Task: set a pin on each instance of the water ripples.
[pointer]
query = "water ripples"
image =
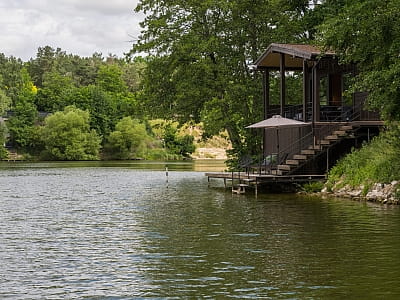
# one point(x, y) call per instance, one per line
point(117, 233)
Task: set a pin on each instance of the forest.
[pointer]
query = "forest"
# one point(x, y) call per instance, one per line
point(192, 64)
point(60, 106)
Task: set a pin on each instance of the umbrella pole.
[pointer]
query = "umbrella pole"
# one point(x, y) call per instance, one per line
point(277, 145)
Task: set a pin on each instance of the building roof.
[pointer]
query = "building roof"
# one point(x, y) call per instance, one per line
point(294, 55)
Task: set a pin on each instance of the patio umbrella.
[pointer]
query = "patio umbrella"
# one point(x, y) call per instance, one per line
point(277, 122)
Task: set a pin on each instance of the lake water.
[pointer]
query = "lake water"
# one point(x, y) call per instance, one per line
point(120, 231)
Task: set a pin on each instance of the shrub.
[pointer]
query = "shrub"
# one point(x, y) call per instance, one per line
point(67, 136)
point(313, 187)
point(128, 141)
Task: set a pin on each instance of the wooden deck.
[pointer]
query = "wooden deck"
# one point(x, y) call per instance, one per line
point(244, 180)
point(266, 177)
point(354, 123)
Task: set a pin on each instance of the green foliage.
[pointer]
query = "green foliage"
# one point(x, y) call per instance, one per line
point(67, 136)
point(200, 52)
point(107, 89)
point(109, 78)
point(367, 32)
point(375, 162)
point(3, 150)
point(313, 187)
point(21, 125)
point(10, 75)
point(22, 121)
point(129, 140)
point(178, 144)
point(5, 102)
point(82, 70)
point(53, 95)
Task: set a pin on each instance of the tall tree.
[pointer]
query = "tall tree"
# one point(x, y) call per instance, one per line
point(201, 52)
point(367, 32)
point(11, 76)
point(21, 123)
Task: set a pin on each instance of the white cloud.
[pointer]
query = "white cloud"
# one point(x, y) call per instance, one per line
point(106, 7)
point(77, 26)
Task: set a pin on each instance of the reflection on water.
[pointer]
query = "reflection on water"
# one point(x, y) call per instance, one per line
point(121, 231)
point(189, 165)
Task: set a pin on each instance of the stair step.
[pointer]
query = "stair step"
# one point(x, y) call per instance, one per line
point(277, 172)
point(293, 162)
point(346, 127)
point(308, 152)
point(284, 167)
point(339, 133)
point(324, 142)
point(333, 137)
point(315, 147)
point(300, 157)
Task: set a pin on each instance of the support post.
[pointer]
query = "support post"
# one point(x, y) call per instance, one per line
point(305, 90)
point(283, 83)
point(315, 98)
point(266, 99)
point(266, 92)
point(327, 161)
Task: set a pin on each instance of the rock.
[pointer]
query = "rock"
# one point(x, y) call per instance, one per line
point(375, 195)
point(355, 193)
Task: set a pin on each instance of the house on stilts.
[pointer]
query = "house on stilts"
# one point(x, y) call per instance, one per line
point(328, 122)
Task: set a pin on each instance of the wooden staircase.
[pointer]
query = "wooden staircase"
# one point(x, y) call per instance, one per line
point(298, 160)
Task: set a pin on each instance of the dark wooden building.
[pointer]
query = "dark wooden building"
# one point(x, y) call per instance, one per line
point(335, 121)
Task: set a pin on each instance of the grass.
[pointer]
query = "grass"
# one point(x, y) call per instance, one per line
point(376, 162)
point(312, 187)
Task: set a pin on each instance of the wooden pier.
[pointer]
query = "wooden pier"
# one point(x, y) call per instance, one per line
point(242, 180)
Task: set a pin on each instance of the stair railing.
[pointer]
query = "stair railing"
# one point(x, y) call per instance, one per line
point(310, 139)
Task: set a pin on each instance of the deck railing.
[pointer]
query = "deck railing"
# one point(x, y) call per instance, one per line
point(335, 118)
point(266, 164)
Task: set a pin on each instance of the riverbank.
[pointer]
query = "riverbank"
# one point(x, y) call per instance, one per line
point(370, 173)
point(385, 193)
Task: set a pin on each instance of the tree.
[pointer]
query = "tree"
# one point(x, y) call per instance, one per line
point(128, 140)
point(55, 88)
point(11, 76)
point(67, 136)
point(201, 52)
point(3, 150)
point(178, 144)
point(109, 78)
point(82, 70)
point(367, 32)
point(24, 112)
point(5, 102)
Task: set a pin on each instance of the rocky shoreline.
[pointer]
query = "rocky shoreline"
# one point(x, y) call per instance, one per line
point(385, 193)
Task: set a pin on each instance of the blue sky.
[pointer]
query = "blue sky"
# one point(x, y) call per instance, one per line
point(79, 27)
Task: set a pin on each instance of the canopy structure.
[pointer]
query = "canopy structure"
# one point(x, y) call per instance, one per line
point(278, 121)
point(294, 55)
